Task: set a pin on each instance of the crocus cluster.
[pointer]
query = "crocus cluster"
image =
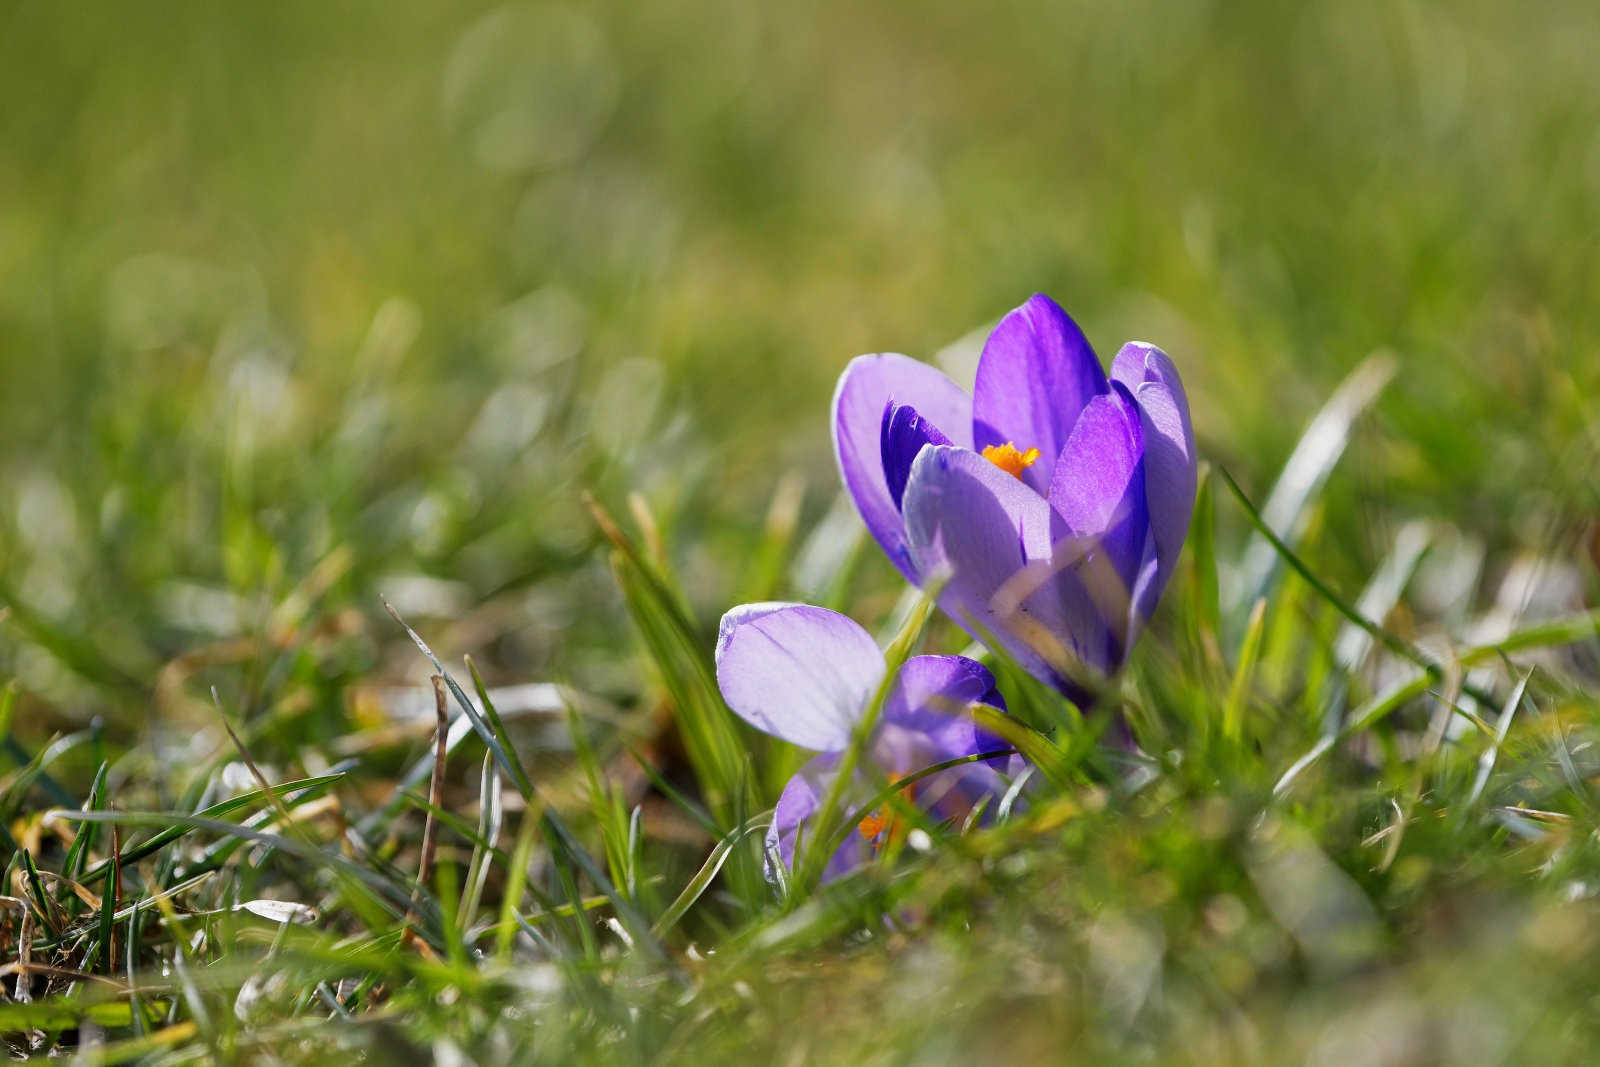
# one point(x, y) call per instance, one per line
point(1046, 509)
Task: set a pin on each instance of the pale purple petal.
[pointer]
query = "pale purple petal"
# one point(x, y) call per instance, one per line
point(1036, 374)
point(1146, 590)
point(946, 795)
point(792, 818)
point(1170, 459)
point(924, 723)
point(866, 388)
point(1008, 561)
point(800, 673)
point(905, 433)
point(1099, 490)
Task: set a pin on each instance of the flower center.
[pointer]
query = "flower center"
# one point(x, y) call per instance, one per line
point(1010, 459)
point(872, 827)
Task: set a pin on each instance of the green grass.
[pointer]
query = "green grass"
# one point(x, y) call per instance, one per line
point(526, 323)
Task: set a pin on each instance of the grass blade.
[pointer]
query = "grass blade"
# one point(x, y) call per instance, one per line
point(810, 865)
point(708, 870)
point(479, 724)
point(1307, 471)
point(1233, 710)
point(1502, 728)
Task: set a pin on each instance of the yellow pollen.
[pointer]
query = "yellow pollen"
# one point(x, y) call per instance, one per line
point(1010, 459)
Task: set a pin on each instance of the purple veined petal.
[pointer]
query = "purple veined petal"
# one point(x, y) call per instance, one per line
point(866, 388)
point(1099, 491)
point(930, 698)
point(1036, 374)
point(925, 721)
point(793, 819)
point(1170, 459)
point(1146, 590)
point(1007, 562)
point(952, 793)
point(916, 733)
point(904, 434)
point(800, 673)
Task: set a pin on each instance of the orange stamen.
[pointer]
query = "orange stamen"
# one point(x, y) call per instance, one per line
point(1010, 459)
point(871, 827)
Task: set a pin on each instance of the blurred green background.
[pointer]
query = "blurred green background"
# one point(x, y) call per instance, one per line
point(300, 303)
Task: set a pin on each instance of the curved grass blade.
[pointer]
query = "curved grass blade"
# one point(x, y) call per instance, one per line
point(708, 870)
point(83, 843)
point(1377, 600)
point(1233, 710)
point(394, 898)
point(293, 793)
point(36, 769)
point(485, 732)
point(1384, 637)
point(1306, 472)
point(523, 782)
point(1567, 630)
point(1502, 728)
point(560, 836)
point(895, 791)
point(1373, 712)
point(1203, 560)
point(809, 866)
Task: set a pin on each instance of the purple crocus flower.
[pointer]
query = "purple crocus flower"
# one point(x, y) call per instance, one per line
point(1052, 502)
point(806, 675)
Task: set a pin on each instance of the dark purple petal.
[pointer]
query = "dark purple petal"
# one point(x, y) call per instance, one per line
point(924, 723)
point(930, 697)
point(1036, 374)
point(950, 794)
point(1170, 459)
point(903, 435)
point(1008, 563)
point(866, 388)
point(792, 818)
point(797, 672)
point(1099, 491)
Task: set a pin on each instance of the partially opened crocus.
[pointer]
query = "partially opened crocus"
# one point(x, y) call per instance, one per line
point(807, 675)
point(1050, 505)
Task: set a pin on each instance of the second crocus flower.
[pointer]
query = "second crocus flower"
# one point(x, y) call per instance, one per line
point(807, 675)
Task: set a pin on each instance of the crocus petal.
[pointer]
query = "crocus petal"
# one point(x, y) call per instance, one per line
point(867, 386)
point(905, 432)
point(951, 794)
point(1099, 490)
point(1036, 374)
point(924, 723)
point(792, 818)
point(1007, 561)
point(930, 697)
point(1170, 459)
point(797, 672)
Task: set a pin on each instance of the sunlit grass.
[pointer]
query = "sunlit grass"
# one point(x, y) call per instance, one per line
point(523, 323)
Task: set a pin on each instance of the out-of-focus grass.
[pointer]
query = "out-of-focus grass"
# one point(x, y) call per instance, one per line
point(301, 304)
